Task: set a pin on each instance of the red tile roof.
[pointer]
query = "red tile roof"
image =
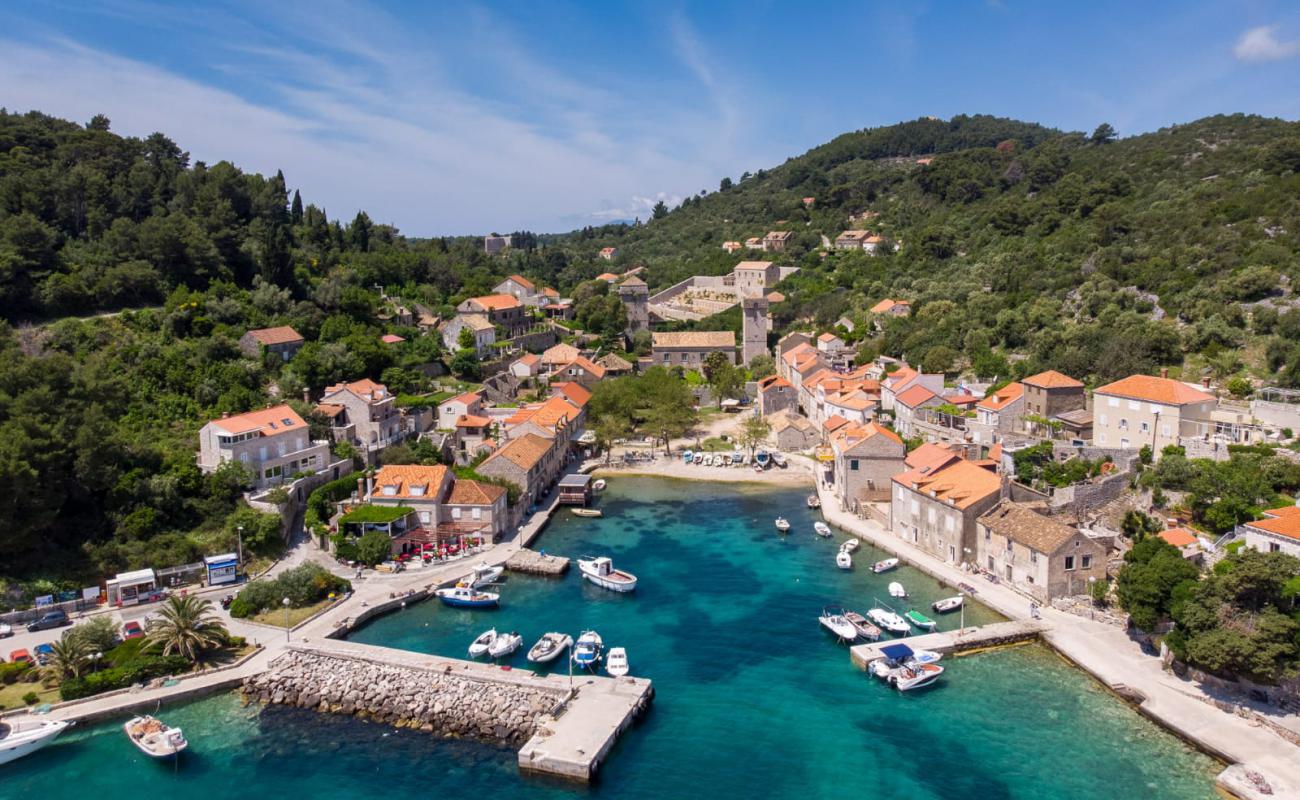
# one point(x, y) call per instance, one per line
point(1287, 525)
point(834, 422)
point(496, 302)
point(773, 381)
point(405, 476)
point(472, 421)
point(466, 492)
point(1155, 390)
point(522, 281)
point(391, 338)
point(281, 335)
point(1051, 379)
point(960, 484)
point(524, 451)
point(929, 455)
point(915, 396)
point(575, 392)
point(885, 306)
point(1179, 537)
point(266, 422)
point(1002, 397)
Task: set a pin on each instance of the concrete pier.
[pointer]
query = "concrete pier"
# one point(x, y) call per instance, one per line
point(531, 562)
point(948, 642)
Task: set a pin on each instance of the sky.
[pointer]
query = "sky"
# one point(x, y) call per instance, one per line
point(466, 118)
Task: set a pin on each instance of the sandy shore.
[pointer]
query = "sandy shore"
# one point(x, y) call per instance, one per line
point(798, 473)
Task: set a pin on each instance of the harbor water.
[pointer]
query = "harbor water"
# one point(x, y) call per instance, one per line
point(753, 697)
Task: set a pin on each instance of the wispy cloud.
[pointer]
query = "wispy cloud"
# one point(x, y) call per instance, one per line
point(1262, 44)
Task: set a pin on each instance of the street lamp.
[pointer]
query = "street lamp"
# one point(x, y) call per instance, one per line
point(96, 656)
point(240, 539)
point(286, 619)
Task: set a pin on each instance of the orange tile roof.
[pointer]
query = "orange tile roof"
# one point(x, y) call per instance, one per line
point(959, 483)
point(896, 379)
point(1287, 525)
point(281, 335)
point(575, 392)
point(366, 389)
point(1051, 379)
point(560, 354)
point(855, 400)
point(930, 454)
point(473, 421)
point(995, 452)
point(1002, 397)
point(1179, 537)
point(595, 370)
point(915, 396)
point(549, 292)
point(468, 398)
point(391, 338)
point(607, 276)
point(266, 422)
point(529, 359)
point(696, 339)
point(960, 399)
point(1154, 390)
point(761, 266)
point(850, 435)
point(524, 451)
point(404, 476)
point(773, 381)
point(496, 302)
point(329, 409)
point(887, 305)
point(827, 337)
point(522, 281)
point(1284, 511)
point(775, 297)
point(834, 422)
point(549, 415)
point(466, 492)
point(798, 351)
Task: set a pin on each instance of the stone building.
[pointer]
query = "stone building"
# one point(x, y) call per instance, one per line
point(283, 341)
point(1037, 554)
point(635, 295)
point(867, 457)
point(936, 509)
point(689, 349)
point(273, 444)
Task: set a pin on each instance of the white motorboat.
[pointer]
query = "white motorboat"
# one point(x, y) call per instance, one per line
point(821, 529)
point(699, 458)
point(708, 459)
point(23, 736)
point(549, 647)
point(482, 575)
point(898, 658)
point(814, 501)
point(896, 589)
point(586, 652)
point(601, 572)
point(843, 560)
point(480, 646)
point(616, 662)
point(865, 629)
point(948, 604)
point(505, 644)
point(779, 460)
point(851, 546)
point(834, 621)
point(884, 566)
point(889, 620)
point(925, 656)
point(154, 737)
point(916, 676)
point(588, 512)
point(782, 524)
point(598, 485)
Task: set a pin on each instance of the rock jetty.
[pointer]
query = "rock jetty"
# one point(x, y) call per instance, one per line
point(437, 701)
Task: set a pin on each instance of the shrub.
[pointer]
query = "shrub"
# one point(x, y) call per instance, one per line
point(9, 673)
point(320, 501)
point(240, 608)
point(144, 669)
point(31, 698)
point(303, 585)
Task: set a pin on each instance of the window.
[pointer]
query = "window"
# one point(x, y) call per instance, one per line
point(425, 518)
point(455, 513)
point(1113, 402)
point(1029, 578)
point(853, 465)
point(1164, 430)
point(1008, 546)
point(1086, 562)
point(991, 567)
point(1123, 424)
point(1101, 438)
point(1101, 419)
point(1123, 443)
point(1069, 563)
point(1008, 572)
point(1033, 556)
point(389, 490)
point(929, 515)
point(988, 535)
point(1144, 427)
point(476, 513)
point(1134, 405)
point(1273, 547)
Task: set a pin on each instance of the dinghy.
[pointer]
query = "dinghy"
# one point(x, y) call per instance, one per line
point(699, 458)
point(549, 647)
point(688, 456)
point(708, 459)
point(814, 501)
point(465, 597)
point(505, 644)
point(782, 524)
point(884, 566)
point(480, 645)
point(616, 662)
point(598, 485)
point(588, 512)
point(822, 529)
point(154, 737)
point(779, 460)
point(851, 546)
point(896, 589)
point(948, 604)
point(20, 737)
point(761, 459)
point(833, 620)
point(601, 572)
point(864, 628)
point(843, 560)
point(586, 652)
point(889, 620)
point(920, 620)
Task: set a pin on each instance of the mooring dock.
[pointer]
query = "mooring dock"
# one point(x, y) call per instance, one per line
point(531, 562)
point(946, 642)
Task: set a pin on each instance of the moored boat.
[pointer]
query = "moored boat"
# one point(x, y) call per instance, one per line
point(889, 621)
point(505, 644)
point(884, 566)
point(782, 524)
point(920, 620)
point(779, 460)
point(598, 485)
point(948, 604)
point(864, 628)
point(480, 645)
point(616, 662)
point(481, 576)
point(896, 589)
point(588, 512)
point(821, 529)
point(586, 651)
point(851, 546)
point(708, 459)
point(699, 458)
point(762, 459)
point(814, 501)
point(833, 620)
point(549, 647)
point(915, 676)
point(688, 456)
point(601, 572)
point(844, 560)
point(465, 597)
point(20, 737)
point(154, 737)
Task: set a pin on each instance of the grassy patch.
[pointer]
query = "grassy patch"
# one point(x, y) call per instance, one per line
point(11, 696)
point(276, 616)
point(713, 444)
point(380, 515)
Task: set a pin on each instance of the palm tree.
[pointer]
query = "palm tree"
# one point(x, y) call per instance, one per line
point(68, 657)
point(186, 625)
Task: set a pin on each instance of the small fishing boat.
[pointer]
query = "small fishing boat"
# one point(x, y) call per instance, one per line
point(21, 737)
point(598, 485)
point(899, 656)
point(822, 529)
point(920, 620)
point(549, 647)
point(601, 572)
point(884, 566)
point(479, 646)
point(889, 621)
point(688, 456)
point(814, 501)
point(851, 546)
point(843, 560)
point(481, 576)
point(833, 620)
point(948, 604)
point(779, 460)
point(708, 459)
point(154, 737)
point(699, 458)
point(505, 644)
point(919, 676)
point(896, 589)
point(586, 652)
point(616, 662)
point(782, 524)
point(762, 459)
point(864, 628)
point(465, 597)
point(588, 512)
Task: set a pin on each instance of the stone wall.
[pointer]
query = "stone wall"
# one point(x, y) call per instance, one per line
point(436, 701)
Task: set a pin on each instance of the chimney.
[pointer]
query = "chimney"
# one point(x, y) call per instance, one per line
point(306, 395)
point(361, 489)
point(370, 483)
point(225, 415)
point(1171, 523)
point(1164, 372)
point(1205, 382)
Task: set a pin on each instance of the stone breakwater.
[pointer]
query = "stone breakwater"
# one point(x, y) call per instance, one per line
point(437, 701)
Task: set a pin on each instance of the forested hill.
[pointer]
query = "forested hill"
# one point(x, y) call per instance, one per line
point(1093, 255)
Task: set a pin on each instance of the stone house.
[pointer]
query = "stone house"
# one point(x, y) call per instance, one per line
point(936, 509)
point(1038, 554)
point(531, 462)
point(689, 349)
point(283, 341)
point(529, 365)
point(472, 436)
point(518, 287)
point(1277, 532)
point(615, 366)
point(792, 432)
point(1143, 410)
point(579, 370)
point(502, 310)
point(829, 343)
point(477, 503)
point(558, 355)
point(900, 380)
point(273, 444)
point(776, 394)
point(363, 413)
point(495, 244)
point(851, 240)
point(996, 414)
point(867, 457)
point(413, 486)
point(775, 241)
point(1051, 393)
point(456, 407)
point(892, 308)
point(485, 333)
point(909, 402)
point(754, 277)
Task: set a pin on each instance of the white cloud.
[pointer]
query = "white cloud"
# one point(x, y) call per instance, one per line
point(1262, 44)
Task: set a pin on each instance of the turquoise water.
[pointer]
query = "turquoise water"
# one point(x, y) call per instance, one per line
point(753, 698)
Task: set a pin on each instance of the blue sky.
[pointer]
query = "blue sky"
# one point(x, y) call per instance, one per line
point(456, 117)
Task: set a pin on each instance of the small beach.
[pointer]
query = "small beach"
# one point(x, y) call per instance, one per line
point(798, 472)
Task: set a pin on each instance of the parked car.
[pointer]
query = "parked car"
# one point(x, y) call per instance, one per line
point(5, 631)
point(18, 656)
point(132, 630)
point(50, 619)
point(43, 653)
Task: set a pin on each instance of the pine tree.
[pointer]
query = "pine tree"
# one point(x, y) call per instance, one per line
point(295, 213)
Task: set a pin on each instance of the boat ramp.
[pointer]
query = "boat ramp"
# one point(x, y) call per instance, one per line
point(531, 562)
point(966, 640)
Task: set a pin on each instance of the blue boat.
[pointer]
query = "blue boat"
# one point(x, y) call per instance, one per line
point(586, 652)
point(466, 597)
point(688, 456)
point(761, 458)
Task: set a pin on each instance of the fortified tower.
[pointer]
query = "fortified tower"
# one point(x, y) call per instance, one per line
point(757, 322)
point(635, 295)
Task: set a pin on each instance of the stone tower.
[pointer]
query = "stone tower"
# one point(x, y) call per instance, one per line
point(635, 295)
point(754, 331)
